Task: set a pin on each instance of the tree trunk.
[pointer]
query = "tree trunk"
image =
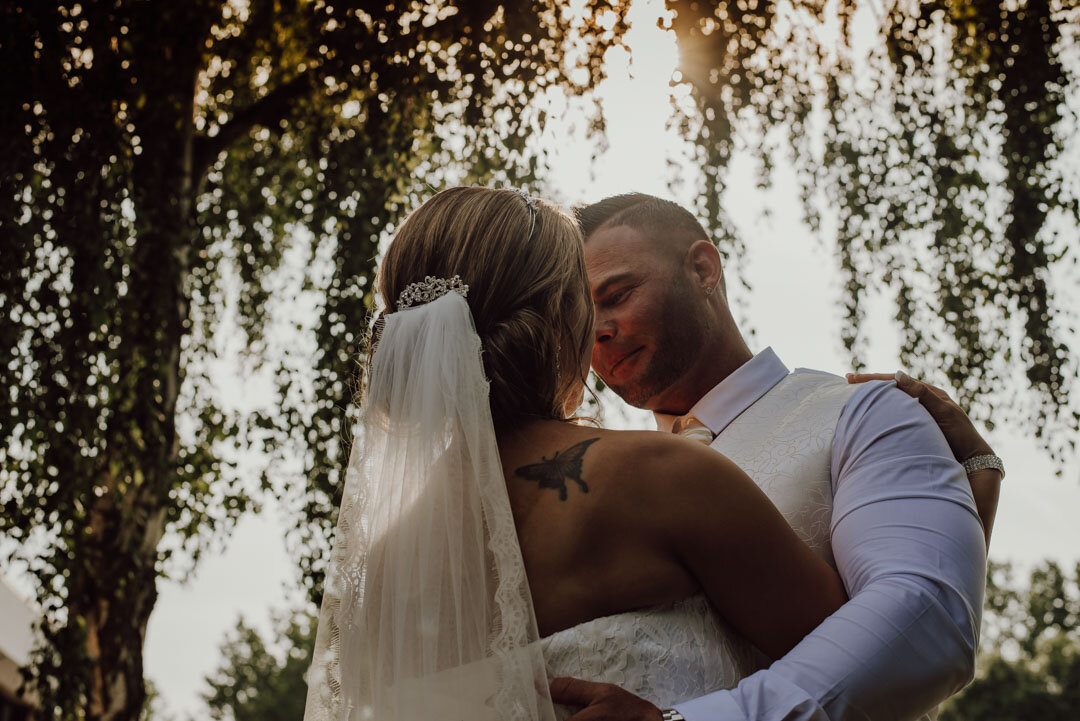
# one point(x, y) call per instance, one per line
point(127, 522)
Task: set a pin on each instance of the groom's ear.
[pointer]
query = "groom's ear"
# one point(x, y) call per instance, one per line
point(705, 266)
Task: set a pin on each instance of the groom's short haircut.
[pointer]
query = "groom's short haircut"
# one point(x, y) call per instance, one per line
point(662, 221)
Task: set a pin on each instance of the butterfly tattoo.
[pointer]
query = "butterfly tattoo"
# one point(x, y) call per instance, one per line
point(553, 472)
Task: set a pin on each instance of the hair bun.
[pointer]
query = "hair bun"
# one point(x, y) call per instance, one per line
point(525, 266)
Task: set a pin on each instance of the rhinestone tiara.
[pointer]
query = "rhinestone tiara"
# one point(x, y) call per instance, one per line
point(429, 289)
point(529, 200)
point(534, 208)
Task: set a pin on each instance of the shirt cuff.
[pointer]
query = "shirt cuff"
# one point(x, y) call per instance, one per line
point(719, 706)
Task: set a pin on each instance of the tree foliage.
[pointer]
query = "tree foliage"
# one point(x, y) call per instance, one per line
point(158, 161)
point(939, 135)
point(1030, 659)
point(254, 682)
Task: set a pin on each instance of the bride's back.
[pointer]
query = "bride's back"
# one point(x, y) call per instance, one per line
point(580, 497)
point(611, 600)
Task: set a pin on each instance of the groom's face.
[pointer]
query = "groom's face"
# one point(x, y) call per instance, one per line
point(646, 330)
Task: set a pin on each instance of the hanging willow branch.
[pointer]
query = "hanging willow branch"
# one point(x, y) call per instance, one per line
point(937, 135)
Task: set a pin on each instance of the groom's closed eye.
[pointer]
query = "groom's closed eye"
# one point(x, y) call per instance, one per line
point(616, 295)
point(611, 285)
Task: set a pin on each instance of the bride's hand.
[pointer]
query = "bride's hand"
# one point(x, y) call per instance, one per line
point(965, 441)
point(602, 701)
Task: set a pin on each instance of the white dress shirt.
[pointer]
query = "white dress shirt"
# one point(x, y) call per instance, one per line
point(910, 549)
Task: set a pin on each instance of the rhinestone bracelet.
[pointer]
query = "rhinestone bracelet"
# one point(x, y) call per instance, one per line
point(981, 463)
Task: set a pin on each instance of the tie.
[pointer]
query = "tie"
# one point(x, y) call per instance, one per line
point(689, 426)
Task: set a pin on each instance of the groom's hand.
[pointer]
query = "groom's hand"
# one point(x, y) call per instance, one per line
point(602, 701)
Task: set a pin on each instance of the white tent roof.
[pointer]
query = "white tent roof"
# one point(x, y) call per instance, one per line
point(17, 618)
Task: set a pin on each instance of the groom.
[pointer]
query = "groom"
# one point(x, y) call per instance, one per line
point(862, 472)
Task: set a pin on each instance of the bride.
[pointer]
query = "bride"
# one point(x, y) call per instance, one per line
point(488, 539)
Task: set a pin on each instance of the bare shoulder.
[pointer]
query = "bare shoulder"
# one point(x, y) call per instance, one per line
point(614, 473)
point(604, 517)
point(649, 457)
point(643, 473)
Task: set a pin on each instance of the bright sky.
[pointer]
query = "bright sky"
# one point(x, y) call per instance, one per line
point(793, 306)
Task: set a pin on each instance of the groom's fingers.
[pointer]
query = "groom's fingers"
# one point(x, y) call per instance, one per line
point(575, 692)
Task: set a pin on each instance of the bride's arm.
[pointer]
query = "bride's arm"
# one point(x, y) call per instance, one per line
point(722, 528)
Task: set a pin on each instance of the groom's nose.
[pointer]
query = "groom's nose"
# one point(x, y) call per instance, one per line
point(605, 330)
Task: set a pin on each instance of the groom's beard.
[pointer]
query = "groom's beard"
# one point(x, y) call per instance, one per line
point(678, 345)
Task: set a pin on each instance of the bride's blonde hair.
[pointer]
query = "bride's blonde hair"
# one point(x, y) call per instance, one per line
point(528, 291)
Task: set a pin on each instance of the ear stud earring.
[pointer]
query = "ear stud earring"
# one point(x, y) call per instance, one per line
point(709, 290)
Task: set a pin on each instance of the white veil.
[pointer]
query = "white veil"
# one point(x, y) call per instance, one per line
point(427, 612)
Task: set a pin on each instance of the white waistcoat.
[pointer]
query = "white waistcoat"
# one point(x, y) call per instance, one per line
point(784, 441)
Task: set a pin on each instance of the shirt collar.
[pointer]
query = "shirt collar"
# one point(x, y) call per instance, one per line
point(733, 395)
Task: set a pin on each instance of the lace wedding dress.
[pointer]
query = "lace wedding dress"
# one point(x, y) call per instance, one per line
point(665, 654)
